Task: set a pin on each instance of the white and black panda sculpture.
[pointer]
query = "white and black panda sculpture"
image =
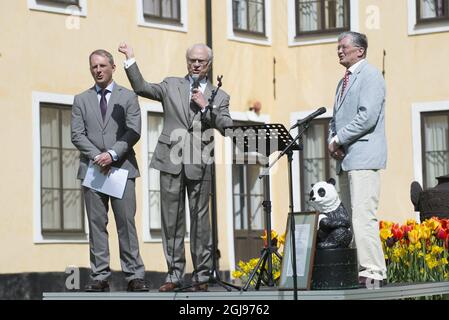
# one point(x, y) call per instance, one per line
point(334, 224)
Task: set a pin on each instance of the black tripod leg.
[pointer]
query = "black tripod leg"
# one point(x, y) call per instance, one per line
point(261, 273)
point(253, 273)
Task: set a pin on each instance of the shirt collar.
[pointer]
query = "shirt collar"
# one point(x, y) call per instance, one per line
point(201, 82)
point(355, 66)
point(110, 87)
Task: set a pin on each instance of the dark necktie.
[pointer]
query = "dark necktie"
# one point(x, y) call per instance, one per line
point(345, 83)
point(103, 102)
point(193, 106)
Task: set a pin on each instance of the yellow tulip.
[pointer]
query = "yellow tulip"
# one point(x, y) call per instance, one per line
point(413, 236)
point(385, 234)
point(424, 232)
point(432, 224)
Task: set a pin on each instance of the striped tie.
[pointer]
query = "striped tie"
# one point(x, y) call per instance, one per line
point(345, 83)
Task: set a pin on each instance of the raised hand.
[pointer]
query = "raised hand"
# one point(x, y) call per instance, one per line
point(126, 50)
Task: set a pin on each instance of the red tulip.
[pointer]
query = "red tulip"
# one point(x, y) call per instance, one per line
point(441, 234)
point(398, 233)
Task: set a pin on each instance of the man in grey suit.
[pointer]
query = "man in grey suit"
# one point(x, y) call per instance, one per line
point(105, 126)
point(357, 140)
point(181, 160)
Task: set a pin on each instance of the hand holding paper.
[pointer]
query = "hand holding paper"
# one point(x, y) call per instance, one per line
point(112, 183)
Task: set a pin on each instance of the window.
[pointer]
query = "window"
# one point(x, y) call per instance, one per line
point(69, 7)
point(432, 10)
point(249, 21)
point(248, 195)
point(249, 16)
point(435, 146)
point(314, 160)
point(152, 199)
point(322, 16)
point(155, 121)
point(163, 14)
point(62, 205)
point(63, 2)
point(168, 10)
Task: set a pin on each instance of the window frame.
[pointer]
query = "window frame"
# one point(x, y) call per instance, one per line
point(323, 121)
point(180, 25)
point(60, 189)
point(246, 185)
point(423, 143)
point(417, 109)
point(421, 21)
point(247, 31)
point(428, 27)
point(155, 235)
point(228, 157)
point(39, 98)
point(55, 7)
point(296, 174)
point(160, 17)
point(248, 37)
point(321, 38)
point(321, 31)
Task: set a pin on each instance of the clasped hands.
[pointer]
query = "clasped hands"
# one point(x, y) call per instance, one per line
point(336, 151)
point(103, 160)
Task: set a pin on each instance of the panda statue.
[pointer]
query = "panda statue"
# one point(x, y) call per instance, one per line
point(334, 226)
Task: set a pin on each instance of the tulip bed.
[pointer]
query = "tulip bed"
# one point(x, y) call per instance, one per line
point(416, 252)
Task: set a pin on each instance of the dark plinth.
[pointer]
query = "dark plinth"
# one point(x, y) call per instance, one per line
point(335, 269)
point(433, 202)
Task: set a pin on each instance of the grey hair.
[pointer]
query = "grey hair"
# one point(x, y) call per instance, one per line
point(201, 45)
point(357, 39)
point(103, 53)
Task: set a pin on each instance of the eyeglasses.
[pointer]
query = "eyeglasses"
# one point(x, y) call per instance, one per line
point(346, 47)
point(199, 61)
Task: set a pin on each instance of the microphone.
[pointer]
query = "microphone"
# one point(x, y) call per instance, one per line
point(309, 117)
point(196, 81)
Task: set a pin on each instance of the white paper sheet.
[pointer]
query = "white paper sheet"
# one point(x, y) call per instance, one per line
point(302, 234)
point(112, 184)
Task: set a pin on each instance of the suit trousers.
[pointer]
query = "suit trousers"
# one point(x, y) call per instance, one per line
point(97, 205)
point(173, 191)
point(360, 191)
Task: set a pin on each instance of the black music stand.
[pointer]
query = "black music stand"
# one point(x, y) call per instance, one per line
point(263, 139)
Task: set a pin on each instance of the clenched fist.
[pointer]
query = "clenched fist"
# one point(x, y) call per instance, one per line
point(126, 50)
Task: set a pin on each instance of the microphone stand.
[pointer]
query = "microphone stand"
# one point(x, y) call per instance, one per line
point(303, 126)
point(215, 277)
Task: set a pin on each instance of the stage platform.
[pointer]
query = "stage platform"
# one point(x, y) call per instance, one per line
point(389, 292)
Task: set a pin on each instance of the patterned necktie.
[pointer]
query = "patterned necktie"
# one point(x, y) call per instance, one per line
point(345, 83)
point(103, 102)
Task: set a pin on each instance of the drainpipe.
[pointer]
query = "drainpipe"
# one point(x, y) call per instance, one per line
point(209, 31)
point(216, 254)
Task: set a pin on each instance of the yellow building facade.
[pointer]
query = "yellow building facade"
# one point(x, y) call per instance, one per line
point(291, 73)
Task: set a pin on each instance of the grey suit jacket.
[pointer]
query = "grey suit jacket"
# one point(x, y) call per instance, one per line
point(119, 131)
point(176, 147)
point(359, 120)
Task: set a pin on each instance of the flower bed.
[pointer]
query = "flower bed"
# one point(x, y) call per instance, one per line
point(416, 252)
point(244, 269)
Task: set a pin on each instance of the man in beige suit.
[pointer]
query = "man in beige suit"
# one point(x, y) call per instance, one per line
point(105, 127)
point(179, 158)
